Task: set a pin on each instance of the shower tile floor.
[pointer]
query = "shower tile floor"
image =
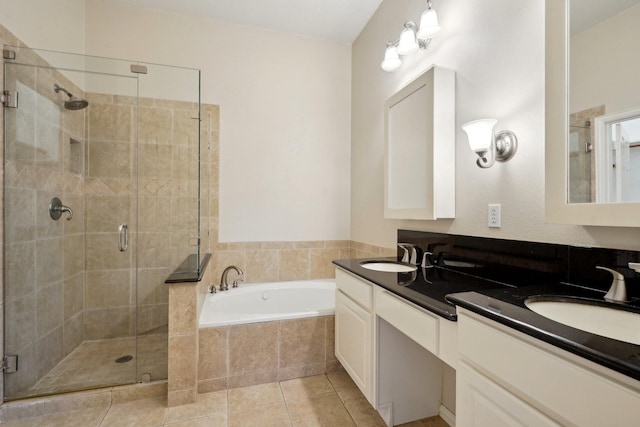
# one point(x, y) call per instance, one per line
point(93, 364)
point(323, 400)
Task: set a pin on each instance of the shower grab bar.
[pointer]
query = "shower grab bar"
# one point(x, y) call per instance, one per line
point(123, 241)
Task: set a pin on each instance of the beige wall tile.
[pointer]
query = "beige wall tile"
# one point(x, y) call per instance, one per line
point(20, 259)
point(302, 341)
point(321, 263)
point(253, 378)
point(102, 252)
point(107, 213)
point(183, 311)
point(110, 122)
point(49, 261)
point(213, 353)
point(49, 308)
point(131, 392)
point(182, 362)
point(214, 384)
point(154, 161)
point(73, 333)
point(107, 289)
point(155, 125)
point(330, 340)
point(109, 159)
point(180, 397)
point(262, 266)
point(108, 323)
point(301, 371)
point(253, 347)
point(294, 264)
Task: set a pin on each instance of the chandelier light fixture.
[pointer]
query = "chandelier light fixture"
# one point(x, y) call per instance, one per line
point(412, 39)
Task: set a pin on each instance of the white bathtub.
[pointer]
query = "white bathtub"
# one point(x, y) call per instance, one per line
point(264, 302)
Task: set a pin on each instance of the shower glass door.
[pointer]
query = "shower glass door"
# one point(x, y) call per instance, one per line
point(102, 203)
point(70, 267)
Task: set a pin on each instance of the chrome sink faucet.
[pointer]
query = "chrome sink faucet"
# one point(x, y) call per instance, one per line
point(224, 284)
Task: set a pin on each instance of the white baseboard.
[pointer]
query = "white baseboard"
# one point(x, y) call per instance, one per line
point(448, 416)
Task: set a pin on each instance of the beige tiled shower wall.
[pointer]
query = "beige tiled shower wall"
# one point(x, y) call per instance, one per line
point(44, 257)
point(165, 160)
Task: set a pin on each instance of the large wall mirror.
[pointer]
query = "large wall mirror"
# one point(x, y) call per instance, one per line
point(593, 112)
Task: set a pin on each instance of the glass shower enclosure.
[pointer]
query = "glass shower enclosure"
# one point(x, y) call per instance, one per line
point(102, 202)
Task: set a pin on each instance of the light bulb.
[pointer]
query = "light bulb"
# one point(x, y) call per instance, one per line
point(480, 134)
point(391, 60)
point(408, 43)
point(429, 26)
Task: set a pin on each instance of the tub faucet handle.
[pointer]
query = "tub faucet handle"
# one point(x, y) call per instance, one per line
point(618, 290)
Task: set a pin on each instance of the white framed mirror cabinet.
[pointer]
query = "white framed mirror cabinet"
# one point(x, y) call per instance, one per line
point(420, 148)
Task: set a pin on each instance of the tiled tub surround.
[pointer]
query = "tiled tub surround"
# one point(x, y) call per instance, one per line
point(257, 353)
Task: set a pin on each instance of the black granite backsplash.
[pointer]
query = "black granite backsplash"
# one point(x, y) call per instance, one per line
point(522, 263)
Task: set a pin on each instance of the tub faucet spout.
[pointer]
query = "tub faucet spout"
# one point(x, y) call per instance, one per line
point(224, 284)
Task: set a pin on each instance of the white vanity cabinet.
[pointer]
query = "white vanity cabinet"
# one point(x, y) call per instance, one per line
point(354, 330)
point(392, 349)
point(507, 378)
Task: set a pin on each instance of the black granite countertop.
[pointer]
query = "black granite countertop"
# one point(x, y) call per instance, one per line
point(499, 295)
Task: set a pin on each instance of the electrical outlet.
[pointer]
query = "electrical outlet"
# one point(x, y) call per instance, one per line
point(494, 215)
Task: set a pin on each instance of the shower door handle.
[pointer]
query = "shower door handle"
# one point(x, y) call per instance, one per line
point(123, 241)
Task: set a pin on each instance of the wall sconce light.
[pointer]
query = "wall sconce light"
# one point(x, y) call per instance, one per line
point(488, 145)
point(412, 39)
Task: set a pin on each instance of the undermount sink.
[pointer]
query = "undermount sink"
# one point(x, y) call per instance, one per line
point(388, 266)
point(600, 319)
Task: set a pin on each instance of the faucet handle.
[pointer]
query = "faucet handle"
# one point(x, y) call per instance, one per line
point(426, 255)
point(405, 247)
point(618, 290)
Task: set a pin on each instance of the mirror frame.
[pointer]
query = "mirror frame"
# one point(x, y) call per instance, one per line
point(557, 208)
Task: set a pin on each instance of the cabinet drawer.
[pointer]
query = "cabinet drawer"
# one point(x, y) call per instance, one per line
point(357, 289)
point(418, 325)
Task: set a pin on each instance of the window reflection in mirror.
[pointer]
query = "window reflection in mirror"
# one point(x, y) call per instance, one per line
point(604, 101)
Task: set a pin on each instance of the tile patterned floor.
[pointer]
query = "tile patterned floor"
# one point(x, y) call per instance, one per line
point(330, 400)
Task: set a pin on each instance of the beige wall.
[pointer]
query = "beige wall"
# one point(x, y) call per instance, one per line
point(496, 48)
point(45, 24)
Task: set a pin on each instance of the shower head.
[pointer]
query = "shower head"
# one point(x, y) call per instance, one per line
point(73, 103)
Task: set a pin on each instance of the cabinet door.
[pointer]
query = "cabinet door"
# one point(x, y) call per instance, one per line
point(482, 403)
point(353, 341)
